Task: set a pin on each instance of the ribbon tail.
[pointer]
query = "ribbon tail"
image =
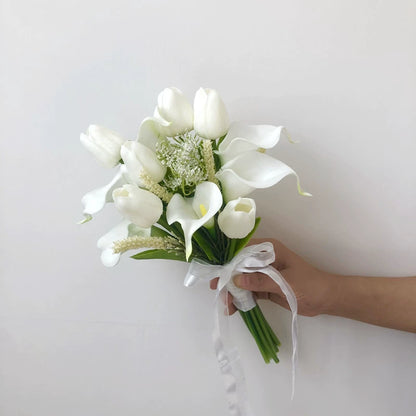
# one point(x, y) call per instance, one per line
point(230, 366)
point(291, 300)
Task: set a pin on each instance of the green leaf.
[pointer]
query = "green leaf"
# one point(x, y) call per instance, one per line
point(174, 228)
point(242, 242)
point(158, 232)
point(217, 162)
point(160, 254)
point(220, 140)
point(162, 220)
point(203, 242)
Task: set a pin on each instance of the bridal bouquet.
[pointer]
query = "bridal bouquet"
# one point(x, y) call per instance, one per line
point(182, 189)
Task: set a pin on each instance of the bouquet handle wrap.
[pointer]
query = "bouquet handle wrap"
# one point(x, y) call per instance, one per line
point(251, 259)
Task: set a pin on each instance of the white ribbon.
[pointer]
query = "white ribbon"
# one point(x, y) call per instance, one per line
point(251, 259)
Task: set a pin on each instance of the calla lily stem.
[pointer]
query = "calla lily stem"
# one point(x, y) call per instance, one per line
point(265, 338)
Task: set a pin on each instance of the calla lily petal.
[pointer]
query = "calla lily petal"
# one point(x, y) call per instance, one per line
point(242, 138)
point(119, 232)
point(252, 170)
point(233, 186)
point(261, 135)
point(193, 213)
point(94, 201)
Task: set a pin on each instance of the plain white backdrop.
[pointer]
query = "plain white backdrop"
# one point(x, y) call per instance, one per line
point(79, 339)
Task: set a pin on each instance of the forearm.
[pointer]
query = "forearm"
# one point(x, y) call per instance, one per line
point(388, 302)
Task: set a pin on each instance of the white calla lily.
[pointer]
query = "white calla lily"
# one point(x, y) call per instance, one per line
point(210, 115)
point(104, 144)
point(238, 217)
point(174, 108)
point(139, 206)
point(242, 138)
point(245, 166)
point(121, 231)
point(252, 170)
point(193, 213)
point(95, 200)
point(139, 160)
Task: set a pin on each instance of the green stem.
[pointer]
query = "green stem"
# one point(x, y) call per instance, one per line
point(266, 340)
point(231, 249)
point(212, 232)
point(273, 348)
point(267, 347)
point(205, 246)
point(270, 330)
point(250, 325)
point(264, 328)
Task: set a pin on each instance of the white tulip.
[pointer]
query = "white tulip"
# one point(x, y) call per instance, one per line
point(139, 160)
point(174, 108)
point(119, 232)
point(139, 206)
point(245, 166)
point(193, 213)
point(210, 115)
point(238, 217)
point(104, 144)
point(149, 133)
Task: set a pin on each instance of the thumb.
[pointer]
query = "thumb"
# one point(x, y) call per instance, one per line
point(256, 282)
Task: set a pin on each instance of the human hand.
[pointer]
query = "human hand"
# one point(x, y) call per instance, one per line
point(315, 290)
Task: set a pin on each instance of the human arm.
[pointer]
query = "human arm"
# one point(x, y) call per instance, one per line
point(383, 301)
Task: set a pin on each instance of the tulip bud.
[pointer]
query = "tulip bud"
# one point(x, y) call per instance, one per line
point(139, 206)
point(172, 106)
point(210, 115)
point(238, 217)
point(139, 159)
point(104, 144)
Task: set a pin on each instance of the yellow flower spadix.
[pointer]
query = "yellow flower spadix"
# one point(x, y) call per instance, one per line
point(203, 209)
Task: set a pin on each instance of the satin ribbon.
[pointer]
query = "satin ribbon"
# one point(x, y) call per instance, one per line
point(251, 259)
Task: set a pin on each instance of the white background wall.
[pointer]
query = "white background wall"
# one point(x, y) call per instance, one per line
point(79, 339)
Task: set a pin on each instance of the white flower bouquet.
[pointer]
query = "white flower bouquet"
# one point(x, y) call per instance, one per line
point(182, 189)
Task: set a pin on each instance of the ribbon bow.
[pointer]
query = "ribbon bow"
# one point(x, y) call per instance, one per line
point(251, 259)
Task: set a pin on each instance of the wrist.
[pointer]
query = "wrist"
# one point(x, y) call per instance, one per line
point(334, 284)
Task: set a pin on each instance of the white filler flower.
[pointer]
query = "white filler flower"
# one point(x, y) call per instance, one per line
point(238, 217)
